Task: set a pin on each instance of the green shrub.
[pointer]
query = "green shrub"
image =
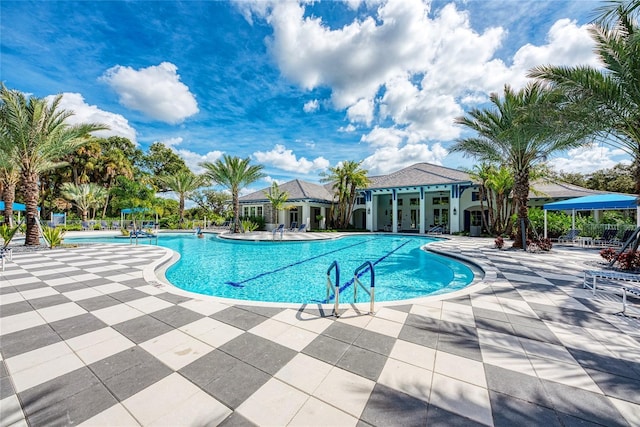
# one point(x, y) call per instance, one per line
point(7, 233)
point(258, 220)
point(53, 236)
point(249, 226)
point(71, 227)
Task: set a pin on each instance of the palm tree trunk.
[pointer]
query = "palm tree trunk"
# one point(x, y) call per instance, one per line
point(521, 196)
point(30, 191)
point(9, 196)
point(236, 212)
point(181, 210)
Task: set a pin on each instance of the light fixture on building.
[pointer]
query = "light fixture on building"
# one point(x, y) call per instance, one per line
point(455, 211)
point(368, 211)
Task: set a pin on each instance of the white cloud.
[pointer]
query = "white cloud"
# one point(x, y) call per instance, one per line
point(284, 159)
point(172, 142)
point(311, 106)
point(193, 160)
point(156, 91)
point(588, 159)
point(389, 159)
point(348, 128)
point(270, 180)
point(85, 113)
point(406, 65)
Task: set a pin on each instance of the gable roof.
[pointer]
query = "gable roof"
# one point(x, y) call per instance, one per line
point(419, 174)
point(297, 189)
point(558, 190)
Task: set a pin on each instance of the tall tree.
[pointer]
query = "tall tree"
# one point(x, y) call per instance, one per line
point(233, 173)
point(347, 177)
point(183, 183)
point(161, 160)
point(520, 130)
point(84, 196)
point(277, 198)
point(9, 178)
point(610, 96)
point(36, 137)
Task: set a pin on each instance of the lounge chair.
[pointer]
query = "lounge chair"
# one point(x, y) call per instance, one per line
point(104, 225)
point(437, 229)
point(293, 226)
point(301, 228)
point(85, 225)
point(608, 237)
point(278, 229)
point(571, 236)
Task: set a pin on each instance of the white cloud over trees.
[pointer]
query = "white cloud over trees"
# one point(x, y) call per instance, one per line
point(155, 91)
point(282, 158)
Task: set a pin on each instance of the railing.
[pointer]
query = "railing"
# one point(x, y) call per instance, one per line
point(336, 287)
point(367, 266)
point(137, 234)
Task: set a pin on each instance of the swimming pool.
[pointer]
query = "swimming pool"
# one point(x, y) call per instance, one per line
point(295, 272)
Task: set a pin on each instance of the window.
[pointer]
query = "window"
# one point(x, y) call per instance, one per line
point(413, 202)
point(259, 211)
point(360, 201)
point(399, 202)
point(441, 200)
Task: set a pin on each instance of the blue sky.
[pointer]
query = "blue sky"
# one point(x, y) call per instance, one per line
point(297, 86)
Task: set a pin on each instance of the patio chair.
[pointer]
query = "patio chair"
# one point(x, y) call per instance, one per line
point(293, 226)
point(608, 237)
point(436, 229)
point(571, 236)
point(104, 225)
point(301, 228)
point(85, 225)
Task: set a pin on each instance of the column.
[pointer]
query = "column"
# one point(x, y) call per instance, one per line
point(306, 215)
point(423, 211)
point(394, 211)
point(369, 209)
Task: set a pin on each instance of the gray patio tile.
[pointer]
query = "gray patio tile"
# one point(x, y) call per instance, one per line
point(483, 313)
point(236, 420)
point(460, 345)
point(530, 322)
point(362, 362)
point(75, 409)
point(423, 323)
point(129, 371)
point(621, 387)
point(375, 342)
point(516, 384)
point(77, 325)
point(95, 282)
point(31, 286)
point(599, 362)
point(388, 407)
point(509, 411)
point(133, 283)
point(8, 290)
point(229, 380)
point(239, 318)
point(544, 335)
point(570, 316)
point(68, 287)
point(96, 303)
point(327, 349)
point(6, 386)
point(419, 336)
point(143, 328)
point(438, 417)
point(176, 316)
point(583, 404)
point(128, 295)
point(15, 308)
point(264, 354)
point(571, 421)
point(41, 402)
point(262, 311)
point(494, 325)
point(173, 298)
point(28, 339)
point(48, 301)
point(343, 332)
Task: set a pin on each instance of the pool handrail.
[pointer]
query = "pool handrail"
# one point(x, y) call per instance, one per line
point(336, 287)
point(372, 283)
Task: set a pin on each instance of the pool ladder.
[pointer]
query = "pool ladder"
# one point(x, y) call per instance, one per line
point(357, 274)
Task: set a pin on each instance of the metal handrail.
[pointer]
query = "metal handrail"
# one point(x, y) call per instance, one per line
point(336, 287)
point(366, 266)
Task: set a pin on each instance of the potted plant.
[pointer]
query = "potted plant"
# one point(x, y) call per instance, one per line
point(320, 220)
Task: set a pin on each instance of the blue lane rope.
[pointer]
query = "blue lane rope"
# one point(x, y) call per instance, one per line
point(241, 283)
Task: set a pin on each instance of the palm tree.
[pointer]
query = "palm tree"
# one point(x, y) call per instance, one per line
point(521, 130)
point(183, 183)
point(347, 177)
point(277, 198)
point(9, 178)
point(235, 174)
point(610, 96)
point(35, 136)
point(84, 196)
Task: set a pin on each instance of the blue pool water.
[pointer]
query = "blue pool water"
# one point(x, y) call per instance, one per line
point(295, 272)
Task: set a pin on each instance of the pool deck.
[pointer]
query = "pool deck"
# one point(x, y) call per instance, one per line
point(90, 336)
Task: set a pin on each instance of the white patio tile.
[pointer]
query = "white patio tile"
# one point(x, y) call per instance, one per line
point(151, 290)
point(407, 378)
point(11, 411)
point(117, 314)
point(211, 331)
point(57, 281)
point(316, 413)
point(61, 311)
point(161, 398)
point(82, 294)
point(458, 317)
point(176, 349)
point(426, 311)
point(391, 314)
point(630, 411)
point(110, 288)
point(507, 359)
point(117, 415)
point(36, 357)
point(99, 344)
point(564, 373)
point(11, 298)
point(296, 338)
point(198, 410)
point(497, 339)
point(46, 371)
point(275, 403)
point(456, 307)
point(19, 322)
point(461, 398)
point(460, 368)
point(149, 304)
point(205, 307)
point(423, 357)
point(345, 391)
point(304, 372)
point(37, 293)
point(546, 350)
point(270, 329)
point(385, 327)
point(354, 318)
